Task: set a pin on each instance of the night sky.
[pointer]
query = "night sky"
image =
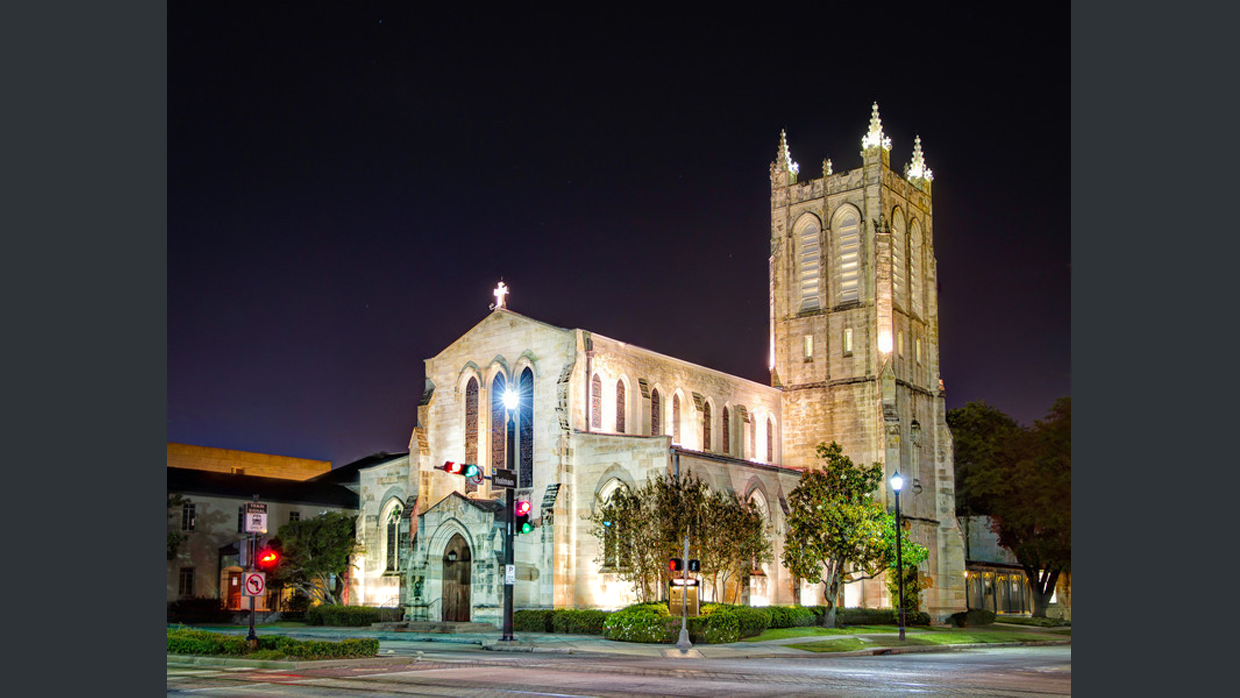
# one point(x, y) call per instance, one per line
point(346, 186)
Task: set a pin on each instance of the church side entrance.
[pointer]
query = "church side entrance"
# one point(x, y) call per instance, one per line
point(456, 568)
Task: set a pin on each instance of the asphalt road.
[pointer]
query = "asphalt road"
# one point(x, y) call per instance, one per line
point(1004, 671)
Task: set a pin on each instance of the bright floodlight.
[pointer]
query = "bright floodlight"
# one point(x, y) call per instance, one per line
point(896, 481)
point(510, 399)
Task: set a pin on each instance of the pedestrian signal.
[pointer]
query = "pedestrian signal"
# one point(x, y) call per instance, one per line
point(676, 564)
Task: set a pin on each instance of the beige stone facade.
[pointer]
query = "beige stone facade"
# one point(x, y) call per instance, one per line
point(225, 460)
point(854, 359)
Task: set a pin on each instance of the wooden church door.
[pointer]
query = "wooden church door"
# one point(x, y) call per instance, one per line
point(456, 568)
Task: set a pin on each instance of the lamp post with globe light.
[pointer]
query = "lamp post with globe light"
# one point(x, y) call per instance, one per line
point(897, 483)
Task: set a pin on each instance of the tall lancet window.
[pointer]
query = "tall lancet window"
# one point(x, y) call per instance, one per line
point(525, 415)
point(916, 264)
point(847, 256)
point(810, 262)
point(656, 420)
point(726, 432)
point(675, 418)
point(471, 427)
point(899, 286)
point(596, 402)
point(621, 406)
point(499, 424)
point(706, 427)
point(770, 440)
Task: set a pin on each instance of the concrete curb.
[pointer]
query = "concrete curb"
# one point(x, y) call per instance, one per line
point(190, 660)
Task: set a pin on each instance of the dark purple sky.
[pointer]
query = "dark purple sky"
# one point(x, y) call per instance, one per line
point(346, 186)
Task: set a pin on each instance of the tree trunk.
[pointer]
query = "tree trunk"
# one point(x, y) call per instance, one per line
point(830, 592)
point(1043, 587)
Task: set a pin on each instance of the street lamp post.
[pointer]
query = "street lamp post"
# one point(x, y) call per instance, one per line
point(897, 482)
point(510, 405)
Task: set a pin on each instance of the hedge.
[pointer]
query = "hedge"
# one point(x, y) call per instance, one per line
point(534, 620)
point(351, 616)
point(202, 642)
point(876, 616)
point(972, 618)
point(642, 623)
point(792, 616)
point(579, 621)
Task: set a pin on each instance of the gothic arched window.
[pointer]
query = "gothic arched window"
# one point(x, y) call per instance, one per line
point(809, 262)
point(770, 440)
point(847, 256)
point(499, 424)
point(596, 402)
point(916, 268)
point(706, 427)
point(391, 536)
point(676, 419)
point(525, 417)
point(621, 406)
point(726, 433)
point(656, 420)
point(899, 287)
point(471, 421)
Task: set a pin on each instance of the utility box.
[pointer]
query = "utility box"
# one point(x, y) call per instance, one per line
point(683, 591)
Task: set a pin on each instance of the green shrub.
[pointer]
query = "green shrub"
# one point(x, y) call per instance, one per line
point(1039, 622)
point(342, 616)
point(579, 621)
point(750, 621)
point(878, 616)
point(792, 616)
point(532, 620)
point(972, 618)
point(642, 623)
point(716, 628)
point(201, 642)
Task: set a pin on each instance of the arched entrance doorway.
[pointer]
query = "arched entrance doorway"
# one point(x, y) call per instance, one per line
point(456, 567)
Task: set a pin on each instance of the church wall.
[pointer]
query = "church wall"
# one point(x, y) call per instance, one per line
point(372, 583)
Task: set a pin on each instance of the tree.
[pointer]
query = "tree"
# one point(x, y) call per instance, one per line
point(316, 554)
point(986, 443)
point(912, 554)
point(1023, 481)
point(176, 505)
point(641, 530)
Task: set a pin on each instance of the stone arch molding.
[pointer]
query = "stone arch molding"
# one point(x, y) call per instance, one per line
point(615, 473)
point(443, 533)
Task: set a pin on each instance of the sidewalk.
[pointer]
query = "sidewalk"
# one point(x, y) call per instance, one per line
point(390, 642)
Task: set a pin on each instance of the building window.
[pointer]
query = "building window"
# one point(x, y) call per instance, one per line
point(809, 264)
point(676, 418)
point(620, 407)
point(471, 421)
point(185, 583)
point(898, 285)
point(706, 427)
point(753, 435)
point(596, 402)
point(915, 268)
point(391, 538)
point(847, 343)
point(847, 257)
point(525, 417)
point(807, 343)
point(900, 342)
point(499, 425)
point(189, 517)
point(656, 419)
point(917, 349)
point(294, 516)
point(726, 434)
point(770, 440)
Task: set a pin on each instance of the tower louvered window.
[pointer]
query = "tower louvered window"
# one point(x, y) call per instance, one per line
point(727, 433)
point(848, 258)
point(898, 260)
point(916, 268)
point(810, 266)
point(525, 418)
point(471, 424)
point(499, 423)
point(656, 420)
point(706, 427)
point(620, 406)
point(596, 402)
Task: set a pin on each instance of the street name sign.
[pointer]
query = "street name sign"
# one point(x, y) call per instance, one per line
point(504, 478)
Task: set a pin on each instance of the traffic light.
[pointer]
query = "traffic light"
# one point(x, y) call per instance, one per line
point(676, 564)
point(466, 469)
point(695, 566)
point(522, 524)
point(268, 558)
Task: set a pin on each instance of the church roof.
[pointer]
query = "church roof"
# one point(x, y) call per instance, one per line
point(207, 483)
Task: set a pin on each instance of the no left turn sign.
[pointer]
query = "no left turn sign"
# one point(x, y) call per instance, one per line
point(253, 584)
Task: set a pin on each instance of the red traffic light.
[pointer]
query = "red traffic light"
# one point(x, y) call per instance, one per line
point(675, 564)
point(453, 468)
point(267, 558)
point(522, 510)
point(523, 507)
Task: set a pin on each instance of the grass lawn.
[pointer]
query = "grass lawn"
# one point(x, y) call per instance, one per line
point(814, 630)
point(943, 636)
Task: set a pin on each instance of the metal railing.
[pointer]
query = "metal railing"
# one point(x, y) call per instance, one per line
point(426, 611)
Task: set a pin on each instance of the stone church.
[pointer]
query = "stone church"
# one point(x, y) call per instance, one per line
point(854, 358)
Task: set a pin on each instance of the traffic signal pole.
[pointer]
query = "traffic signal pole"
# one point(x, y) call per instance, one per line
point(509, 556)
point(252, 638)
